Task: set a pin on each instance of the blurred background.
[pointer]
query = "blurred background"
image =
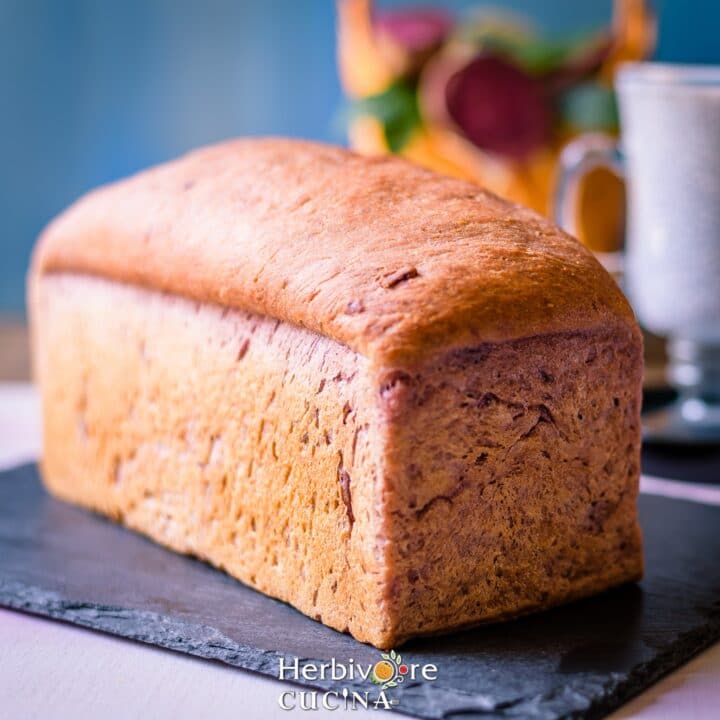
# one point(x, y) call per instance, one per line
point(93, 90)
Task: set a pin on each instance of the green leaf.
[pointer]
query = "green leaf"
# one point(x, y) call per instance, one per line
point(392, 654)
point(537, 56)
point(384, 656)
point(397, 109)
point(590, 107)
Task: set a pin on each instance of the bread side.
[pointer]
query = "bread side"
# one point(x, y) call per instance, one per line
point(241, 440)
point(512, 475)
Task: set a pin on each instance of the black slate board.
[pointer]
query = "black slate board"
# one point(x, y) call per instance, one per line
point(691, 464)
point(582, 660)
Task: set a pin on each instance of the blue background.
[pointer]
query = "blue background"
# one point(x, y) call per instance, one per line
point(92, 90)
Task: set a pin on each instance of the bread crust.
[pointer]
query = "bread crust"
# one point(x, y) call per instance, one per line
point(392, 260)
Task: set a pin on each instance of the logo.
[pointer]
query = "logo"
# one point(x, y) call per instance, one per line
point(387, 673)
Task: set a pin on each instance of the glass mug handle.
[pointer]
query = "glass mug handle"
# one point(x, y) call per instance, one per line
point(580, 156)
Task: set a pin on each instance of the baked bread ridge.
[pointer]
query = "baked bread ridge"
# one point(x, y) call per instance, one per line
point(310, 474)
point(394, 261)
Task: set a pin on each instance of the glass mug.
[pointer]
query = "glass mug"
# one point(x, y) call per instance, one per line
point(669, 154)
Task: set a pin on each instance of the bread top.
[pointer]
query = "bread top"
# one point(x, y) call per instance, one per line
point(394, 261)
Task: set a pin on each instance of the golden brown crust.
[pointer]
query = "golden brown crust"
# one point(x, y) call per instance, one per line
point(394, 261)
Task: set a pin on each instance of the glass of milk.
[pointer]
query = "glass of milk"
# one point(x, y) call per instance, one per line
point(670, 155)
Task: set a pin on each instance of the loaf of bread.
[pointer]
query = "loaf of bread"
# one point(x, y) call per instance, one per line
point(386, 397)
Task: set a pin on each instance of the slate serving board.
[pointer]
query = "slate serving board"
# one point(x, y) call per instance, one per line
point(582, 660)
